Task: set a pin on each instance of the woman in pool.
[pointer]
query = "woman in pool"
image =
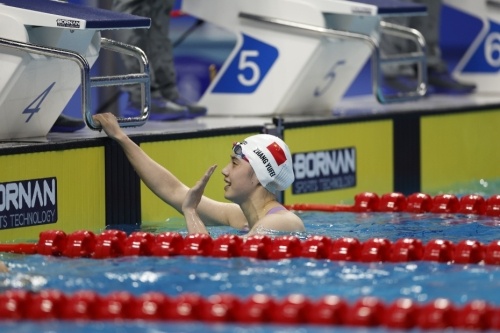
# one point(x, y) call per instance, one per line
point(260, 166)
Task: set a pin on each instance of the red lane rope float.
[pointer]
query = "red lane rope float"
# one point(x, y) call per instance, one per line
point(415, 203)
point(293, 309)
point(116, 243)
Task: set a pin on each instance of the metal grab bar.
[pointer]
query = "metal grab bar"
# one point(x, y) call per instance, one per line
point(418, 58)
point(376, 58)
point(142, 78)
point(87, 81)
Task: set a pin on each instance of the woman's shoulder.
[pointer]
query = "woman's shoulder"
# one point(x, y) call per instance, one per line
point(284, 220)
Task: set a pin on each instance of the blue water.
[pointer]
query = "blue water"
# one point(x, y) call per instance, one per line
point(156, 327)
point(420, 281)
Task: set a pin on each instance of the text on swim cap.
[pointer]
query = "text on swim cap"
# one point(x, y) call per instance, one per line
point(265, 161)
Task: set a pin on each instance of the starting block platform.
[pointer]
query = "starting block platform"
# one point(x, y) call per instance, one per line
point(300, 56)
point(46, 51)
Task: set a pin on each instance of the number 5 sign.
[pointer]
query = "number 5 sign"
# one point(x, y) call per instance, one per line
point(248, 68)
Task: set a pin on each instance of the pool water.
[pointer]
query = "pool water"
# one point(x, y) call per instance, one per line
point(421, 281)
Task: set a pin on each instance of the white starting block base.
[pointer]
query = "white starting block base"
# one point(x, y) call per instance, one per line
point(35, 88)
point(288, 59)
point(46, 50)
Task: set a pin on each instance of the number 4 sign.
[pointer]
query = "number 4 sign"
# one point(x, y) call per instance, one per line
point(34, 106)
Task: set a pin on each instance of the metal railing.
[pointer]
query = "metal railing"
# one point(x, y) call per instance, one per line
point(88, 82)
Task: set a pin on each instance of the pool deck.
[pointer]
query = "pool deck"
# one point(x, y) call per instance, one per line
point(354, 108)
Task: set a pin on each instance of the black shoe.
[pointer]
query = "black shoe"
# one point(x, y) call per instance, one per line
point(194, 110)
point(394, 85)
point(161, 110)
point(66, 124)
point(443, 83)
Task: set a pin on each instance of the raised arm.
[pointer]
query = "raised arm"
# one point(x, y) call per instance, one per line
point(165, 184)
point(161, 181)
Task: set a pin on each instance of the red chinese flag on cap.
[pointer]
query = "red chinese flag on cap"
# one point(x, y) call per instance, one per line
point(277, 152)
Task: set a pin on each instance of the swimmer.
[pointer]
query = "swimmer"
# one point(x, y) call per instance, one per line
point(260, 166)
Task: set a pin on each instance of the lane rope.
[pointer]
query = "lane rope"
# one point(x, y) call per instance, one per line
point(116, 243)
point(418, 203)
point(293, 309)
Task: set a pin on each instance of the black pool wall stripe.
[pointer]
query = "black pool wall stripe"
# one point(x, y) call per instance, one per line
point(407, 171)
point(123, 194)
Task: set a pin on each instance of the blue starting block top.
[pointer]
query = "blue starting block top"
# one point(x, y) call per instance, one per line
point(67, 15)
point(395, 7)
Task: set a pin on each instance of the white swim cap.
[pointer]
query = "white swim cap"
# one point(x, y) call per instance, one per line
point(270, 159)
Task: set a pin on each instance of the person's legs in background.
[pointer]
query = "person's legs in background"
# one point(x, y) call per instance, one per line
point(439, 78)
point(166, 104)
point(438, 74)
point(397, 78)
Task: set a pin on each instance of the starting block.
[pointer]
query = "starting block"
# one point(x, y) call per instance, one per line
point(46, 51)
point(300, 56)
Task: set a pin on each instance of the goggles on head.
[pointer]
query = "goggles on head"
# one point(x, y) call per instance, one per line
point(238, 151)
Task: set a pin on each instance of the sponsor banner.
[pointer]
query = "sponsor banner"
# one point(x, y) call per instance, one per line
point(324, 170)
point(334, 162)
point(28, 203)
point(70, 194)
